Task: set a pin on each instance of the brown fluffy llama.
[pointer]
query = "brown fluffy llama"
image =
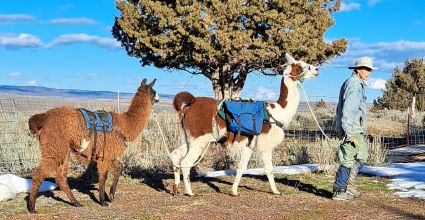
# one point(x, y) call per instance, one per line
point(61, 131)
point(197, 114)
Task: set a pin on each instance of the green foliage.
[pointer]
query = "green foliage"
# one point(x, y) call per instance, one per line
point(226, 40)
point(403, 85)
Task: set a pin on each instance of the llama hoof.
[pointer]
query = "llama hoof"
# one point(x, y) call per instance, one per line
point(31, 209)
point(111, 197)
point(175, 190)
point(77, 204)
point(190, 195)
point(104, 204)
point(277, 193)
point(234, 195)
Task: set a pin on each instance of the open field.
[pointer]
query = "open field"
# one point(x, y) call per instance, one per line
point(143, 192)
point(305, 196)
point(303, 144)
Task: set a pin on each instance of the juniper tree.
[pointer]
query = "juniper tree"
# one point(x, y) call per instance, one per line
point(226, 40)
point(403, 85)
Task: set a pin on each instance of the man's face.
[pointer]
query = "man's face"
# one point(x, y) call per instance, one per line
point(364, 72)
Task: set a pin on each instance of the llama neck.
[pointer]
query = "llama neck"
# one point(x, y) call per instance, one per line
point(131, 123)
point(286, 106)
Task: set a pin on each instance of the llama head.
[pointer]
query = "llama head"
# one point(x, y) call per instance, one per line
point(299, 70)
point(148, 89)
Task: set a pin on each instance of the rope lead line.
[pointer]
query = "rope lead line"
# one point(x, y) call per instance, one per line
point(311, 111)
point(169, 152)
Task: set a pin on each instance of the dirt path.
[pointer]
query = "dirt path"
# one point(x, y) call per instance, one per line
point(304, 196)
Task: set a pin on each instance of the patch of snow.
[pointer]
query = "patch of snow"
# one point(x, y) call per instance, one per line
point(6, 193)
point(11, 185)
point(407, 151)
point(290, 170)
point(407, 178)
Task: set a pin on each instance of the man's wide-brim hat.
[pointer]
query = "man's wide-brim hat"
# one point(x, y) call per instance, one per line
point(363, 62)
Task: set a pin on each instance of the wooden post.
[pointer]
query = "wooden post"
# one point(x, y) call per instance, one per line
point(408, 127)
point(118, 101)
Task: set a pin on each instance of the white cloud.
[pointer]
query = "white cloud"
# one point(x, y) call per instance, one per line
point(107, 43)
point(14, 74)
point(372, 3)
point(18, 41)
point(181, 85)
point(264, 93)
point(15, 17)
point(82, 21)
point(66, 7)
point(386, 55)
point(13, 41)
point(32, 82)
point(88, 76)
point(418, 22)
point(350, 6)
point(374, 83)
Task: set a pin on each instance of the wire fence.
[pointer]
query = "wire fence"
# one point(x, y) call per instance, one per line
point(19, 153)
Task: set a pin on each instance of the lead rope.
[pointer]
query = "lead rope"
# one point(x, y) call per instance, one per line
point(169, 152)
point(311, 111)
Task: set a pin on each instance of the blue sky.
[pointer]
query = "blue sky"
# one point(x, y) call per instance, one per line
point(68, 44)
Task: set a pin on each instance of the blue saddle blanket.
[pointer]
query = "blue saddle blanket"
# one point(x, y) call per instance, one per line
point(244, 117)
point(101, 120)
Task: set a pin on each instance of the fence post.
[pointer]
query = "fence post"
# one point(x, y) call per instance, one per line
point(408, 127)
point(118, 101)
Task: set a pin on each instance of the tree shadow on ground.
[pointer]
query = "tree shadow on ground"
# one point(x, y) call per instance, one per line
point(402, 213)
point(210, 182)
point(305, 187)
point(84, 184)
point(48, 194)
point(152, 178)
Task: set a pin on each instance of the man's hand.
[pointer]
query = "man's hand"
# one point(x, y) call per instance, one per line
point(352, 140)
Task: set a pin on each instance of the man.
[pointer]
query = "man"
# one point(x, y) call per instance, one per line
point(351, 125)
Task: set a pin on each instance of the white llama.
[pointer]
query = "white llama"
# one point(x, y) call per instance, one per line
point(201, 125)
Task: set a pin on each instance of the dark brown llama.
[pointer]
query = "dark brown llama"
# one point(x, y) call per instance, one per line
point(61, 131)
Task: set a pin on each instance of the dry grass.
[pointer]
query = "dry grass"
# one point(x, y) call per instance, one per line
point(19, 151)
point(305, 196)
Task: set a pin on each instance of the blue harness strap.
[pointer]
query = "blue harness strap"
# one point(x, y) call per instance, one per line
point(97, 121)
point(101, 120)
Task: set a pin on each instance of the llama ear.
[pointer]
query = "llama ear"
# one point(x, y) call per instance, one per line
point(290, 59)
point(143, 82)
point(152, 83)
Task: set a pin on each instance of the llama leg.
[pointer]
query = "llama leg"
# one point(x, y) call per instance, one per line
point(43, 170)
point(117, 166)
point(176, 158)
point(176, 171)
point(62, 180)
point(245, 154)
point(192, 155)
point(268, 168)
point(102, 167)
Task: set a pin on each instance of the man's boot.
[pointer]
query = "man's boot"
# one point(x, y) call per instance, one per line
point(342, 195)
point(352, 179)
point(340, 185)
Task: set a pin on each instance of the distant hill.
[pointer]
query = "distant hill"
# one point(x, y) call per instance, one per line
point(44, 91)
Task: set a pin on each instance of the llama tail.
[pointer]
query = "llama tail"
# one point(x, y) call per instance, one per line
point(36, 122)
point(182, 100)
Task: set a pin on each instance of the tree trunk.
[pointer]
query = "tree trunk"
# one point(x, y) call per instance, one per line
point(225, 86)
point(225, 91)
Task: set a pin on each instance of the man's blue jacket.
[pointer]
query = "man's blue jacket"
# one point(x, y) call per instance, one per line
point(351, 110)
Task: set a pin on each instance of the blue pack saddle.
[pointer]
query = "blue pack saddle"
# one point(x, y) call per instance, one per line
point(244, 117)
point(98, 121)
